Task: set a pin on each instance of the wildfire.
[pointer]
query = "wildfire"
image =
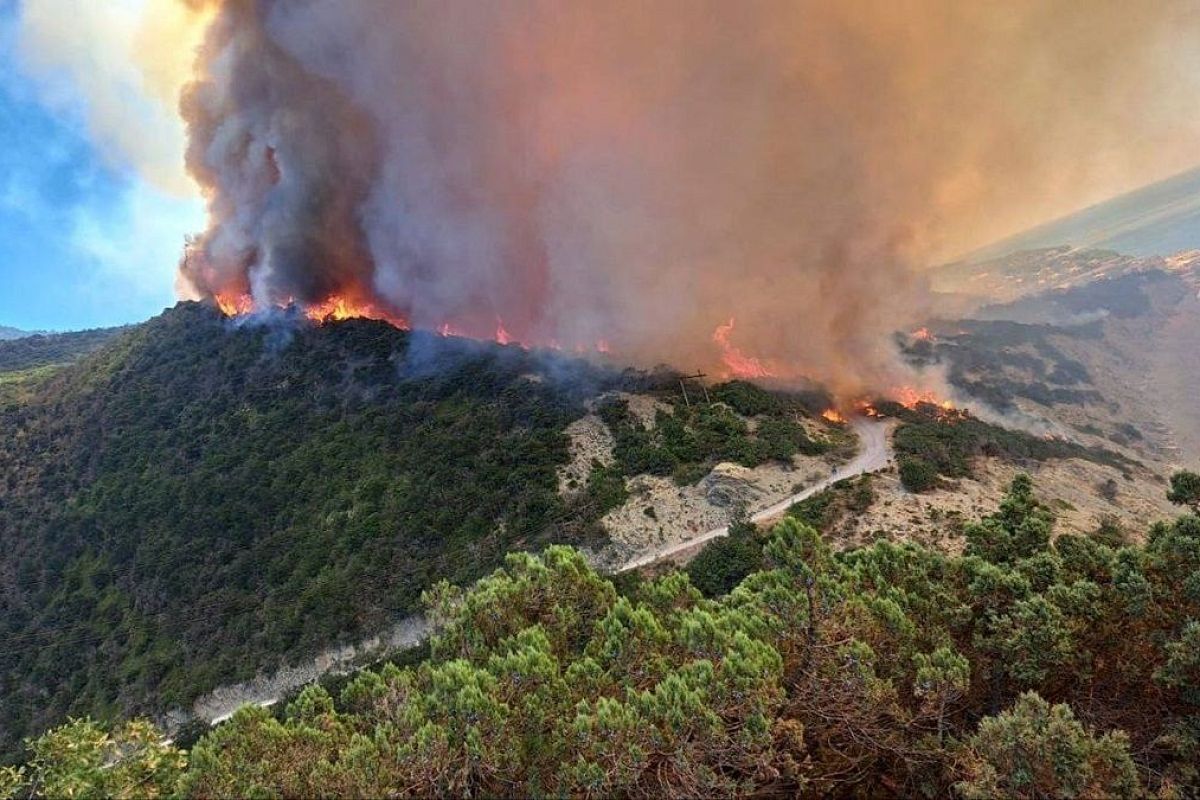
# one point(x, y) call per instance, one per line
point(335, 308)
point(502, 335)
point(832, 415)
point(911, 397)
point(339, 308)
point(867, 408)
point(922, 334)
point(740, 365)
point(235, 305)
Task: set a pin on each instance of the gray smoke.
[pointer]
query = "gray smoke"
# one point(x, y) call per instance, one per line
point(643, 172)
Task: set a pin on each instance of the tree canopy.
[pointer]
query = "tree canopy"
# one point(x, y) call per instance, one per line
point(1026, 667)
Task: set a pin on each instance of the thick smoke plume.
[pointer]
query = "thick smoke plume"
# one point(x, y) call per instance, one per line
point(642, 173)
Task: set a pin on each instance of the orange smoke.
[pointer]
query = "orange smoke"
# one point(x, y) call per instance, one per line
point(602, 170)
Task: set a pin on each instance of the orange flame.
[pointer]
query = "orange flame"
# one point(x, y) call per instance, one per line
point(922, 334)
point(235, 305)
point(832, 415)
point(911, 397)
point(502, 336)
point(337, 308)
point(740, 365)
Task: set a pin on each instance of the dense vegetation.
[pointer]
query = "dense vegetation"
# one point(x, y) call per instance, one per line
point(726, 561)
point(688, 440)
point(196, 498)
point(848, 497)
point(932, 441)
point(1025, 667)
point(41, 350)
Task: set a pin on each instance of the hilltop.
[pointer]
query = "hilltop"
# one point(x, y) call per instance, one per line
point(7, 333)
point(198, 500)
point(195, 500)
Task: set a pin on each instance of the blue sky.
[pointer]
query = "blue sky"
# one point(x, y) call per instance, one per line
point(84, 241)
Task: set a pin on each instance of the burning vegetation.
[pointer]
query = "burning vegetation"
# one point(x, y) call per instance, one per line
point(737, 363)
point(688, 165)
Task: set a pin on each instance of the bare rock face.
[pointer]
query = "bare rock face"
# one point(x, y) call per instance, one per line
point(730, 486)
point(591, 441)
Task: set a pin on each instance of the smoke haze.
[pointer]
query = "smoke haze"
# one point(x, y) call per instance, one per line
point(641, 173)
point(129, 59)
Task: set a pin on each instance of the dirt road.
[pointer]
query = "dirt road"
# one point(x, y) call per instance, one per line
point(265, 690)
point(873, 456)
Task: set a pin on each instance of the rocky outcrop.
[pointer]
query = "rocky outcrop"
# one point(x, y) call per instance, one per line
point(731, 486)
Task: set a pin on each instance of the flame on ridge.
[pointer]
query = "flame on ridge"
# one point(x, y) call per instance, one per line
point(738, 363)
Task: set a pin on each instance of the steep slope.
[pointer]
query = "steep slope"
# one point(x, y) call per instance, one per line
point(34, 350)
point(197, 499)
point(203, 500)
point(1029, 665)
point(1111, 361)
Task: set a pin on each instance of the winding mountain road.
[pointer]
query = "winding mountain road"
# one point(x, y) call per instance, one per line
point(265, 690)
point(873, 455)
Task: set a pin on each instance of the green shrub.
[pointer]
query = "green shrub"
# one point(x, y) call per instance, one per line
point(917, 474)
point(726, 561)
point(1036, 750)
point(745, 398)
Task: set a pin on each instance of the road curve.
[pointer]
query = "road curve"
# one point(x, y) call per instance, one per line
point(873, 456)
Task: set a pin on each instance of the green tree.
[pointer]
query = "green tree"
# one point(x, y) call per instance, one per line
point(1020, 529)
point(725, 561)
point(1182, 668)
point(1185, 490)
point(82, 760)
point(943, 676)
point(917, 474)
point(1035, 750)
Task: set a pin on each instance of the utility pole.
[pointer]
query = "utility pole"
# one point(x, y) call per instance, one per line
point(697, 377)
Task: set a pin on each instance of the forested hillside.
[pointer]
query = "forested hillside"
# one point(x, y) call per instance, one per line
point(201, 498)
point(41, 350)
point(1026, 667)
point(196, 498)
